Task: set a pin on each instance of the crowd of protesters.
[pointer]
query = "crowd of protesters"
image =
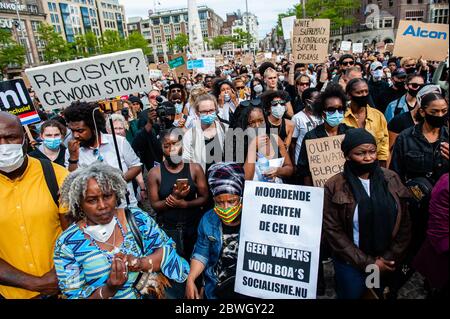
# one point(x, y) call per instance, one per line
point(154, 210)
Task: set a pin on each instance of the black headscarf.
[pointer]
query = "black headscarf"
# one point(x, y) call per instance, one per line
point(377, 214)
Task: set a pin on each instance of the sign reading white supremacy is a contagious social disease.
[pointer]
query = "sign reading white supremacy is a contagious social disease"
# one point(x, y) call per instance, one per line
point(279, 241)
point(91, 79)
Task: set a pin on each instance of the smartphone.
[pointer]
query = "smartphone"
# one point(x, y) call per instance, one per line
point(182, 183)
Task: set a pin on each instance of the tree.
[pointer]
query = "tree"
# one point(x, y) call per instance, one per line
point(11, 53)
point(340, 12)
point(218, 42)
point(242, 37)
point(113, 42)
point(56, 48)
point(136, 40)
point(179, 42)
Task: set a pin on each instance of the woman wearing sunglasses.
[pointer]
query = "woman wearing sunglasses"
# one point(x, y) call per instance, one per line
point(275, 106)
point(331, 106)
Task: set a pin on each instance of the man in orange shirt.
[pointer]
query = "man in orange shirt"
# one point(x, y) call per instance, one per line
point(30, 221)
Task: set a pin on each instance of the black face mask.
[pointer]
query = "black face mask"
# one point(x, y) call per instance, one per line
point(436, 121)
point(361, 101)
point(413, 93)
point(410, 70)
point(360, 169)
point(168, 122)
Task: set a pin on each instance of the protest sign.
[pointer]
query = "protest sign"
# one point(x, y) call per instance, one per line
point(390, 47)
point(247, 59)
point(287, 25)
point(209, 66)
point(260, 57)
point(92, 79)
point(152, 66)
point(380, 47)
point(310, 40)
point(325, 158)
point(155, 74)
point(346, 46)
point(279, 241)
point(164, 68)
point(178, 62)
point(417, 39)
point(195, 64)
point(358, 47)
point(268, 55)
point(219, 60)
point(14, 99)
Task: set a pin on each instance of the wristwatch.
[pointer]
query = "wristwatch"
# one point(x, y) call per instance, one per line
point(73, 161)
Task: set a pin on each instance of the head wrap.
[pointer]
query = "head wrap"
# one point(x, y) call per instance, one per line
point(355, 137)
point(426, 90)
point(226, 178)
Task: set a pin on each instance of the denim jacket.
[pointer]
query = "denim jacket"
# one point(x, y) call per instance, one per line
point(208, 248)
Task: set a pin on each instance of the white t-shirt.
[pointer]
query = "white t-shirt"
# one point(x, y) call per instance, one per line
point(366, 185)
point(303, 124)
point(107, 155)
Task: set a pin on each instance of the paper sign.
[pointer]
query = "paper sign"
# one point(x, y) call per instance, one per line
point(417, 39)
point(155, 74)
point(390, 47)
point(247, 59)
point(195, 64)
point(178, 62)
point(287, 25)
point(14, 99)
point(164, 68)
point(358, 47)
point(278, 256)
point(268, 55)
point(220, 60)
point(260, 57)
point(92, 79)
point(381, 47)
point(325, 158)
point(209, 66)
point(346, 46)
point(310, 40)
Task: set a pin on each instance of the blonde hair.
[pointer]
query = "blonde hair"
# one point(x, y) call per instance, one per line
point(116, 118)
point(407, 59)
point(269, 71)
point(203, 98)
point(195, 93)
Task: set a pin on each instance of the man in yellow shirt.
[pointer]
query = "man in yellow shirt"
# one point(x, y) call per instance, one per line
point(361, 115)
point(30, 220)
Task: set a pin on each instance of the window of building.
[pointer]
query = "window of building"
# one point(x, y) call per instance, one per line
point(155, 21)
point(159, 49)
point(388, 23)
point(203, 15)
point(158, 39)
point(177, 28)
point(157, 30)
point(167, 29)
point(146, 25)
point(176, 19)
point(416, 15)
point(166, 20)
point(205, 34)
point(168, 37)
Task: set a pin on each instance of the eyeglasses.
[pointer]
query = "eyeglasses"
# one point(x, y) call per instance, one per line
point(303, 84)
point(410, 66)
point(332, 110)
point(347, 63)
point(207, 112)
point(278, 102)
point(176, 90)
point(415, 85)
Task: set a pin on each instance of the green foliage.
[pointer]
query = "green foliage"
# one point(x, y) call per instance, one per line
point(242, 38)
point(218, 42)
point(179, 42)
point(113, 42)
point(56, 48)
point(340, 12)
point(136, 40)
point(10, 51)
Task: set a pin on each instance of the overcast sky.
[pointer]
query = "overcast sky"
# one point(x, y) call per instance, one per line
point(266, 10)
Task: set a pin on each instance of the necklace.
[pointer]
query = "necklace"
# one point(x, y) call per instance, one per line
point(116, 250)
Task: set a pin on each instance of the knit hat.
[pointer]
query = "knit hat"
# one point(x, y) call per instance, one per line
point(355, 137)
point(226, 178)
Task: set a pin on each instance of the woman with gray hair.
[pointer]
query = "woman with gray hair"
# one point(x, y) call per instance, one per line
point(102, 253)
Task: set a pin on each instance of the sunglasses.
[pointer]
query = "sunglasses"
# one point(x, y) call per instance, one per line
point(410, 66)
point(348, 63)
point(176, 101)
point(415, 85)
point(240, 88)
point(303, 84)
point(279, 102)
point(255, 102)
point(176, 90)
point(331, 110)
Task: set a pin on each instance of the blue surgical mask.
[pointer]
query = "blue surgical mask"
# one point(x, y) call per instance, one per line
point(208, 119)
point(334, 119)
point(178, 108)
point(377, 75)
point(278, 111)
point(52, 143)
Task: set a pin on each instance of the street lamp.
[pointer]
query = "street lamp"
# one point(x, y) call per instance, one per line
point(248, 25)
point(23, 34)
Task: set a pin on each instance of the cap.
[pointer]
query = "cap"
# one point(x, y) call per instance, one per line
point(375, 65)
point(134, 99)
point(399, 73)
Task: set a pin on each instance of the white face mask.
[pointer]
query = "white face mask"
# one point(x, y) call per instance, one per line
point(278, 111)
point(258, 88)
point(11, 157)
point(101, 233)
point(281, 78)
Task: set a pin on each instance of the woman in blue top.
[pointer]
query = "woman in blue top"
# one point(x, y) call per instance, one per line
point(97, 257)
point(216, 249)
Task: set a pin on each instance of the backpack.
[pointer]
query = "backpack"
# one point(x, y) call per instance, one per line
point(50, 179)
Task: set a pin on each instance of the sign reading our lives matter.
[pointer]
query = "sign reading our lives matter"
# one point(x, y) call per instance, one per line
point(279, 241)
point(325, 158)
point(90, 79)
point(310, 40)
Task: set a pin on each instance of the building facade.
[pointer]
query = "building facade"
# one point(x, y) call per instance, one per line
point(167, 24)
point(31, 14)
point(75, 17)
point(142, 26)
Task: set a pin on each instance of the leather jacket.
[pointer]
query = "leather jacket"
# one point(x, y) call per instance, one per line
point(339, 210)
